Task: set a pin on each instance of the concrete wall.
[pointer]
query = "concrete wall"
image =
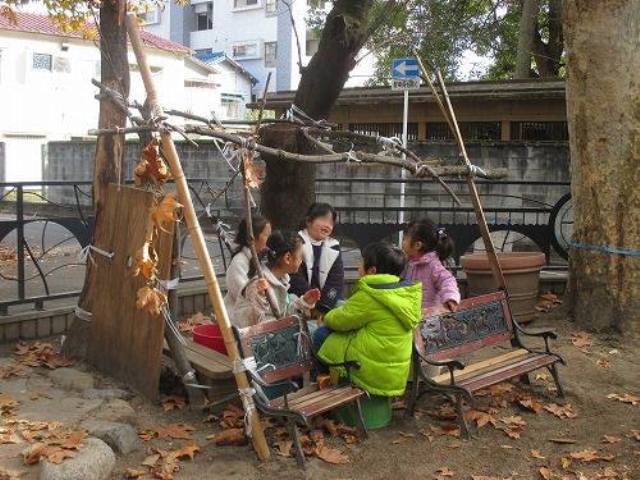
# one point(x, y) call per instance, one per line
point(528, 162)
point(2, 163)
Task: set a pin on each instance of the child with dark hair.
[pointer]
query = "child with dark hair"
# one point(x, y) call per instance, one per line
point(237, 275)
point(322, 266)
point(375, 325)
point(427, 248)
point(284, 255)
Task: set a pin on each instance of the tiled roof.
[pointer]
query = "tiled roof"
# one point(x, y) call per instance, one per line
point(30, 22)
point(213, 58)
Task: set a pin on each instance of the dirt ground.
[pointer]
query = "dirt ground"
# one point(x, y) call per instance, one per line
point(422, 448)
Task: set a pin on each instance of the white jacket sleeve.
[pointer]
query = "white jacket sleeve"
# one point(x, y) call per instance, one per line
point(237, 277)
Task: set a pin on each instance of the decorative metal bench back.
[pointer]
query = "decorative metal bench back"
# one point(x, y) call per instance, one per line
point(281, 348)
point(478, 322)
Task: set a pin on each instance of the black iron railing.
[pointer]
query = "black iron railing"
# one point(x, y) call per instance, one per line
point(44, 225)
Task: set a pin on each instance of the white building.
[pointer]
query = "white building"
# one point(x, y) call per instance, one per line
point(46, 92)
point(258, 34)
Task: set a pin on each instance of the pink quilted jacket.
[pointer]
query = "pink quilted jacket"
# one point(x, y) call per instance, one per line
point(438, 284)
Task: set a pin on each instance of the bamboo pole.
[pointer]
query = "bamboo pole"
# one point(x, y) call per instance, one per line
point(450, 116)
point(199, 246)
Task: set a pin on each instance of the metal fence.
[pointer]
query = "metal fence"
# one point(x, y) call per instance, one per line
point(45, 225)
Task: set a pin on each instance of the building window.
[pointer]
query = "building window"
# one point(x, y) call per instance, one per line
point(270, 52)
point(231, 106)
point(472, 131)
point(240, 4)
point(151, 17)
point(203, 51)
point(312, 43)
point(540, 131)
point(271, 6)
point(204, 16)
point(42, 61)
point(385, 130)
point(245, 50)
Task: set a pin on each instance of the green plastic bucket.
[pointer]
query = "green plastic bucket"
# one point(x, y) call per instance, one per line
point(376, 411)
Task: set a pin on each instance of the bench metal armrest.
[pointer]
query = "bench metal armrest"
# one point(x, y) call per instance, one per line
point(545, 334)
point(452, 365)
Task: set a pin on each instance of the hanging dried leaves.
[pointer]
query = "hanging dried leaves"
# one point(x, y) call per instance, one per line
point(252, 174)
point(150, 300)
point(146, 262)
point(167, 211)
point(150, 167)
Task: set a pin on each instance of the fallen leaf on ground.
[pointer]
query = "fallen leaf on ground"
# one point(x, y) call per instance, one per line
point(565, 441)
point(444, 472)
point(611, 439)
point(445, 412)
point(7, 403)
point(38, 451)
point(565, 462)
point(625, 398)
point(284, 448)
point(232, 417)
point(10, 474)
point(590, 455)
point(330, 426)
point(232, 436)
point(331, 455)
point(188, 451)
point(496, 390)
point(635, 434)
point(531, 404)
point(132, 473)
point(537, 454)
point(151, 460)
point(178, 431)
point(581, 340)
point(14, 370)
point(513, 426)
point(404, 437)
point(603, 363)
point(147, 434)
point(545, 473)
point(561, 411)
point(40, 354)
point(542, 376)
point(450, 430)
point(480, 418)
point(173, 402)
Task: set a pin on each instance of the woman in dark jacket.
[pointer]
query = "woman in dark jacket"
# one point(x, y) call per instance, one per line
point(322, 267)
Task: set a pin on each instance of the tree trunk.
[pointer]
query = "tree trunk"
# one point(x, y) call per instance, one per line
point(548, 55)
point(289, 187)
point(109, 151)
point(528, 22)
point(603, 103)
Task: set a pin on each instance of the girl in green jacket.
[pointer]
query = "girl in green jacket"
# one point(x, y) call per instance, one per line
point(375, 325)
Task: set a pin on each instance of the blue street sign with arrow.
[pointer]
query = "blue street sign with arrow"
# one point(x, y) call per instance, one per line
point(404, 68)
point(405, 74)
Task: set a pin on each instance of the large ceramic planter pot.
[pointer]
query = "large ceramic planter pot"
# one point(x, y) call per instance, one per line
point(521, 272)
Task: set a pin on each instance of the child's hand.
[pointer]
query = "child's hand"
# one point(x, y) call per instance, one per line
point(451, 305)
point(312, 296)
point(262, 285)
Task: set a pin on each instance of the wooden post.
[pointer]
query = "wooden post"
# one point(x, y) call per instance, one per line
point(450, 117)
point(199, 246)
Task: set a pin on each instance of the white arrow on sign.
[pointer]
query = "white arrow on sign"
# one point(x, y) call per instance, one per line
point(403, 68)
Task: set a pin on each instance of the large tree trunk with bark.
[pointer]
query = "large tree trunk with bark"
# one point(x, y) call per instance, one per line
point(289, 187)
point(528, 22)
point(109, 149)
point(603, 103)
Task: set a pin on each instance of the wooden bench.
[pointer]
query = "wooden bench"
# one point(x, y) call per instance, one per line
point(479, 322)
point(278, 353)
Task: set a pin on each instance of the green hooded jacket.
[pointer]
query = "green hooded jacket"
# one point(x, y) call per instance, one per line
point(375, 327)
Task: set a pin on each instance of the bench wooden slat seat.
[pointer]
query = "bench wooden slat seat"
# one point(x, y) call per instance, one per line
point(278, 352)
point(479, 322)
point(206, 361)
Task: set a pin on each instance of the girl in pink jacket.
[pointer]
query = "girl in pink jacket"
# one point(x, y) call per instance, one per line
point(427, 247)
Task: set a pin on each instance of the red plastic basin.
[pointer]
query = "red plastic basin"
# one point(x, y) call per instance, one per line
point(210, 336)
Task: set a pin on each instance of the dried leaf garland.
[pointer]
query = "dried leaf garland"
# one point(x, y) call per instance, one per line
point(150, 300)
point(150, 167)
point(146, 262)
point(166, 212)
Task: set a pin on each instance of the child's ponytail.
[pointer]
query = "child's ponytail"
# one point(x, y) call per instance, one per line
point(444, 245)
point(432, 237)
